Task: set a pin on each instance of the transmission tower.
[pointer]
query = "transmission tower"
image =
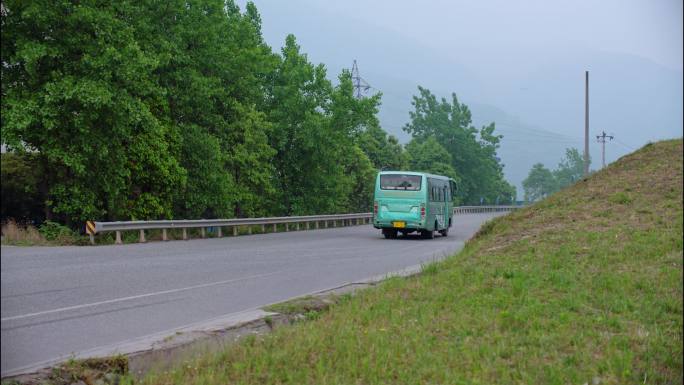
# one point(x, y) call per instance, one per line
point(602, 139)
point(360, 85)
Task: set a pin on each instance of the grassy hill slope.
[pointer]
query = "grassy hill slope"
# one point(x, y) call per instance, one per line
point(583, 287)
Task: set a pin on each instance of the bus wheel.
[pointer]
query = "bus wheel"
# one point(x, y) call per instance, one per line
point(427, 234)
point(444, 232)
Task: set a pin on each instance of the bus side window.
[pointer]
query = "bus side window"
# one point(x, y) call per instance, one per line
point(431, 184)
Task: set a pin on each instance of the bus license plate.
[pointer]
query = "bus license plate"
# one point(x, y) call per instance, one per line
point(400, 225)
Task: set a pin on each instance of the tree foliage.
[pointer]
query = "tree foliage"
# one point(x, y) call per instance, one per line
point(471, 152)
point(384, 151)
point(542, 182)
point(21, 187)
point(316, 129)
point(570, 169)
point(430, 156)
point(539, 183)
point(179, 109)
point(76, 89)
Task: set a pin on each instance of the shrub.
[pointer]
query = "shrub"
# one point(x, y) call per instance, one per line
point(53, 231)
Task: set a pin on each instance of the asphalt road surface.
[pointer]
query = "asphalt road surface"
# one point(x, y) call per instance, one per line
point(58, 301)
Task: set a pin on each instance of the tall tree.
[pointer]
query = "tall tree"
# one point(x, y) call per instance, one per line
point(539, 183)
point(213, 67)
point(473, 151)
point(76, 90)
point(570, 169)
point(315, 126)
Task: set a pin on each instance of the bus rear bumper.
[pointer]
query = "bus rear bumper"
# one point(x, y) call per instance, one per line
point(408, 225)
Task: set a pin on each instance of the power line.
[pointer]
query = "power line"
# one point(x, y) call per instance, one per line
point(535, 131)
point(624, 145)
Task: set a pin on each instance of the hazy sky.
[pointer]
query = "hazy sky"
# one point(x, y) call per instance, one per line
point(471, 29)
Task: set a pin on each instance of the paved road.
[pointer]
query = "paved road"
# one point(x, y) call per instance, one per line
point(58, 301)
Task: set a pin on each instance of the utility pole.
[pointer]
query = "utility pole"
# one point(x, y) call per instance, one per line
point(602, 139)
point(359, 83)
point(586, 123)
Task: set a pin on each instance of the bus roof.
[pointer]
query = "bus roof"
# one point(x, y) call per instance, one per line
point(415, 173)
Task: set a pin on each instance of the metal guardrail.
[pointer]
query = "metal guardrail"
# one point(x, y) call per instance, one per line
point(235, 223)
point(308, 221)
point(483, 209)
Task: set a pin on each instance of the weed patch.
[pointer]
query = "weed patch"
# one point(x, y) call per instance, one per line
point(48, 234)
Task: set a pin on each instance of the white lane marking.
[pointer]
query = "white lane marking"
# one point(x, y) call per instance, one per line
point(135, 297)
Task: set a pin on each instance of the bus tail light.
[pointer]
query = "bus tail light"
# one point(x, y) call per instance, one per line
point(375, 207)
point(422, 210)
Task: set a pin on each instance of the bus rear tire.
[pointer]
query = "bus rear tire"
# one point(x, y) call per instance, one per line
point(444, 232)
point(427, 234)
point(389, 233)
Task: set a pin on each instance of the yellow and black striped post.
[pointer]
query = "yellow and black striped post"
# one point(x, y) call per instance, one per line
point(90, 229)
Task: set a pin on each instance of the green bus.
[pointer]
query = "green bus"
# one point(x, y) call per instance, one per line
point(405, 202)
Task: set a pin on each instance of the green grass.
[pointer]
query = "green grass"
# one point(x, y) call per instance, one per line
point(584, 286)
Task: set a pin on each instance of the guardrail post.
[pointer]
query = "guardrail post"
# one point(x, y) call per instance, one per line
point(334, 223)
point(297, 226)
point(286, 227)
point(220, 232)
point(118, 237)
point(275, 227)
point(202, 232)
point(164, 238)
point(249, 229)
point(263, 228)
point(92, 239)
point(235, 231)
point(185, 234)
point(316, 225)
point(326, 223)
point(307, 225)
point(142, 236)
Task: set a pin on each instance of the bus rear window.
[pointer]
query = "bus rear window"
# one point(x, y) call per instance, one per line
point(400, 182)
